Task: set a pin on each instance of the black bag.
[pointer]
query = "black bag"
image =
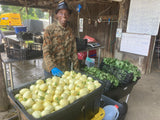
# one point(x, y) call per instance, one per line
point(81, 44)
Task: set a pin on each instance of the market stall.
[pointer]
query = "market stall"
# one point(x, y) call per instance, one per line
point(116, 77)
point(101, 22)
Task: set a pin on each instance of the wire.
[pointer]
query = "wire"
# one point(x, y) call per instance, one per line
point(92, 19)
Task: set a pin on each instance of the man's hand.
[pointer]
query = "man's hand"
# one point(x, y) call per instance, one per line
point(56, 72)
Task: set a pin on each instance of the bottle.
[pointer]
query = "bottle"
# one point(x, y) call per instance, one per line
point(111, 112)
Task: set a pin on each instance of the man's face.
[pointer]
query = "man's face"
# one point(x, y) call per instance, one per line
point(63, 16)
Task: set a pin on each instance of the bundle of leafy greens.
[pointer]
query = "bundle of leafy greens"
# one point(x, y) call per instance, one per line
point(97, 73)
point(123, 66)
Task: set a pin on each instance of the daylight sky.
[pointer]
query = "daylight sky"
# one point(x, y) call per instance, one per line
point(0, 8)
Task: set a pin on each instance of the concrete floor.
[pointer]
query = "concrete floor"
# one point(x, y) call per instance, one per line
point(27, 71)
point(143, 103)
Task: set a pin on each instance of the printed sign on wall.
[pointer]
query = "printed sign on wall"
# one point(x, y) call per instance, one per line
point(81, 25)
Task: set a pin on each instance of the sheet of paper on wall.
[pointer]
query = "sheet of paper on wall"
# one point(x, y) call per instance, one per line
point(119, 33)
point(81, 25)
point(144, 16)
point(135, 43)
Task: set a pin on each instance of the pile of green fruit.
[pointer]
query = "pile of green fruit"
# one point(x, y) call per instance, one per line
point(45, 97)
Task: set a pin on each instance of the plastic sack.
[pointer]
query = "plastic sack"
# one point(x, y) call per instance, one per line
point(90, 39)
point(90, 62)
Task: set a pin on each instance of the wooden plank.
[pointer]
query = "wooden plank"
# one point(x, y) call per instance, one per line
point(21, 115)
point(4, 102)
point(91, 1)
point(112, 17)
point(150, 55)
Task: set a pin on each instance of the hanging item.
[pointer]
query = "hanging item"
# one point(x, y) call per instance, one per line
point(95, 24)
point(89, 21)
point(78, 8)
point(109, 20)
point(99, 20)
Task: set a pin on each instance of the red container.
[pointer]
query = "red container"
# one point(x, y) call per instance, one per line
point(83, 55)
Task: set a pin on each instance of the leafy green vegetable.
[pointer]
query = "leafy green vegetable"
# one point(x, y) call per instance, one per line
point(124, 66)
point(96, 72)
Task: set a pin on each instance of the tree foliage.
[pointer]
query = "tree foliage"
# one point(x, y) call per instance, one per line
point(26, 13)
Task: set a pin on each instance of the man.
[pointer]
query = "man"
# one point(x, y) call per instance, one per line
point(59, 45)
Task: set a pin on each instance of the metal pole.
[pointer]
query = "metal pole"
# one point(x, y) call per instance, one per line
point(99, 55)
point(11, 76)
point(127, 98)
point(5, 74)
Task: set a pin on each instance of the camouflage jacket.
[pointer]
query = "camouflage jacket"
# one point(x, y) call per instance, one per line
point(59, 48)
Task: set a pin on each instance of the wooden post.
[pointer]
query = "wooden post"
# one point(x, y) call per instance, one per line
point(122, 23)
point(4, 101)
